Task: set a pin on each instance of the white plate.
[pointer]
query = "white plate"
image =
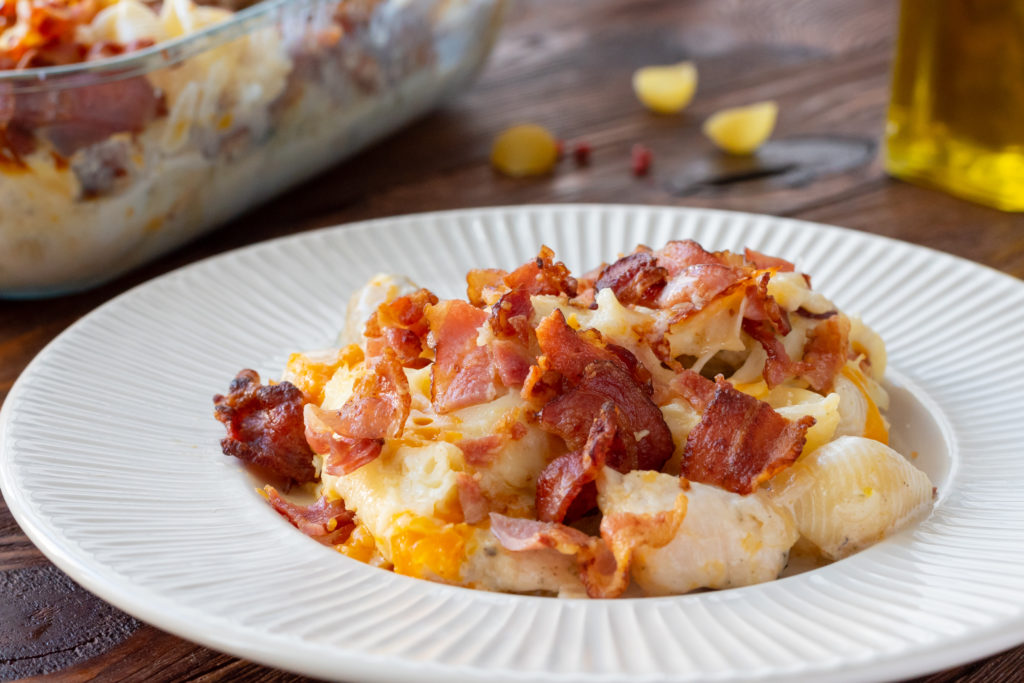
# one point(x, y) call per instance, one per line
point(111, 465)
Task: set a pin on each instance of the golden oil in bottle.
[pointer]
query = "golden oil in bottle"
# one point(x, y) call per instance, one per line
point(956, 117)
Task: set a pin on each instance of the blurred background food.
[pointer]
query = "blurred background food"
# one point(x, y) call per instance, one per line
point(956, 117)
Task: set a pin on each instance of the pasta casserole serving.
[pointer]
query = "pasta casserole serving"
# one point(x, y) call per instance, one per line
point(679, 419)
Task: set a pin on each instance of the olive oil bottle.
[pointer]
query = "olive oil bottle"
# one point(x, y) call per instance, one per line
point(956, 116)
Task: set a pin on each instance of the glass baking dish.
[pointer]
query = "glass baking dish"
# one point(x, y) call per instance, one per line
point(104, 165)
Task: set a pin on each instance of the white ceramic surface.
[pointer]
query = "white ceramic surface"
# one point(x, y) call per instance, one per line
point(111, 465)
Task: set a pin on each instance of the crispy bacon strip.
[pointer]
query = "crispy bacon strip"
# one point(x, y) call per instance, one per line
point(378, 408)
point(264, 425)
point(485, 285)
point(326, 521)
point(741, 442)
point(603, 563)
point(481, 451)
point(344, 454)
point(694, 387)
point(565, 478)
point(568, 352)
point(825, 352)
point(642, 439)
point(510, 316)
point(463, 373)
point(763, 261)
point(471, 498)
point(635, 279)
point(601, 575)
point(695, 276)
point(762, 307)
point(401, 324)
point(514, 337)
point(543, 275)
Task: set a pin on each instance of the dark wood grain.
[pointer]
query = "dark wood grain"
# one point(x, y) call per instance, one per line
point(566, 65)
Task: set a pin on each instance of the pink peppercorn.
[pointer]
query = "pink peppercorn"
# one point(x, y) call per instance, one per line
point(640, 160)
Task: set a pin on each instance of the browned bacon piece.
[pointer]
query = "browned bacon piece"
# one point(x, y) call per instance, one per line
point(695, 276)
point(463, 373)
point(481, 451)
point(825, 352)
point(471, 499)
point(569, 352)
point(740, 442)
point(378, 408)
point(763, 261)
point(510, 350)
point(543, 275)
point(564, 478)
point(401, 324)
point(326, 521)
point(602, 575)
point(264, 425)
point(823, 357)
point(635, 279)
point(484, 285)
point(762, 307)
point(642, 439)
point(679, 255)
point(694, 387)
point(510, 316)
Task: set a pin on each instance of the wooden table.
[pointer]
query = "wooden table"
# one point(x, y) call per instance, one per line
point(566, 65)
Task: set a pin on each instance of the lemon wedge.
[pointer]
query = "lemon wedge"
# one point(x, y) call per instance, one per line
point(524, 150)
point(666, 89)
point(741, 130)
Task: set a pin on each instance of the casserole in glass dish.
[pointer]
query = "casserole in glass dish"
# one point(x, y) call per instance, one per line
point(128, 127)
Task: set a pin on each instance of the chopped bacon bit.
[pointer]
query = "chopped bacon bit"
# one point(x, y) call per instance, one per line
point(265, 427)
point(512, 360)
point(401, 324)
point(569, 352)
point(484, 285)
point(741, 442)
point(326, 521)
point(640, 158)
point(543, 275)
point(542, 383)
point(642, 440)
point(462, 374)
point(763, 261)
point(377, 409)
point(779, 366)
point(695, 276)
point(510, 316)
point(635, 279)
point(581, 153)
point(694, 387)
point(825, 352)
point(602, 575)
point(761, 306)
point(679, 255)
point(471, 498)
point(380, 400)
point(564, 478)
point(481, 451)
point(519, 534)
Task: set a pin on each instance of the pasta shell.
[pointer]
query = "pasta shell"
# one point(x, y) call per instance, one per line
point(850, 493)
point(725, 540)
